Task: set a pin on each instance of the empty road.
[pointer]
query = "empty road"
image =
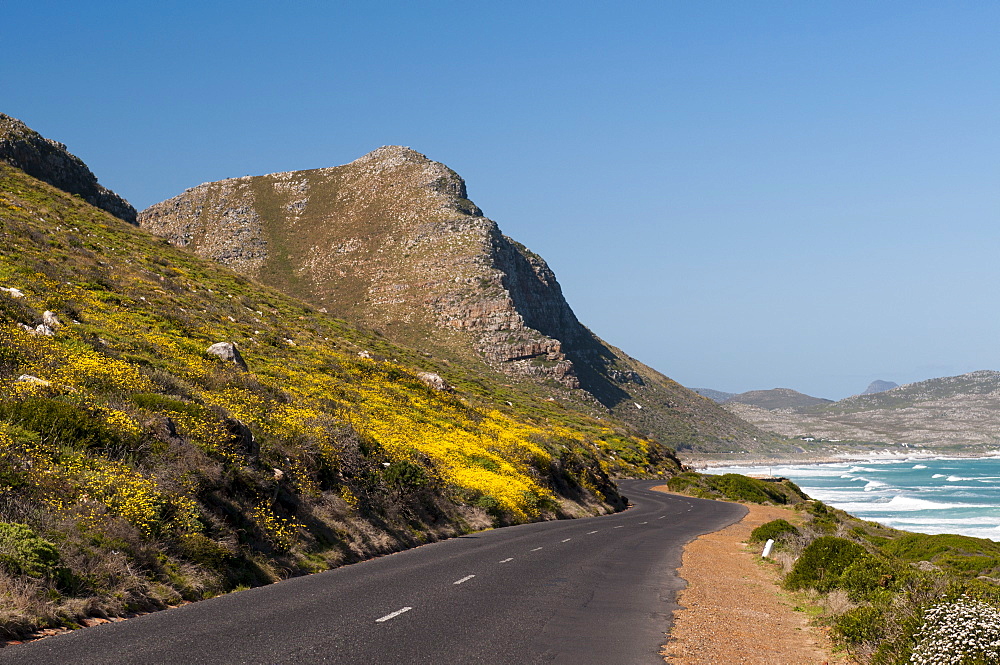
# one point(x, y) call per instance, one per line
point(598, 590)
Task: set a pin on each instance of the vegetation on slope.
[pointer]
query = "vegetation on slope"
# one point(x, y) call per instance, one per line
point(137, 470)
point(889, 596)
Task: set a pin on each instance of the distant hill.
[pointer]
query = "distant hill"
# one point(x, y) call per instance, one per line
point(957, 412)
point(715, 395)
point(777, 398)
point(392, 242)
point(879, 386)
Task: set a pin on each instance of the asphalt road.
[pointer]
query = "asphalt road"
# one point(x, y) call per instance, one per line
point(599, 590)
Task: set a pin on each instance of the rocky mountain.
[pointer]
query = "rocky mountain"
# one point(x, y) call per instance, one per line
point(777, 398)
point(716, 396)
point(392, 241)
point(51, 162)
point(960, 413)
point(879, 386)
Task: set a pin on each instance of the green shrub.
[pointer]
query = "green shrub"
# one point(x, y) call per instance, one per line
point(405, 476)
point(866, 576)
point(204, 551)
point(777, 529)
point(683, 481)
point(823, 562)
point(740, 488)
point(964, 554)
point(860, 625)
point(60, 422)
point(23, 552)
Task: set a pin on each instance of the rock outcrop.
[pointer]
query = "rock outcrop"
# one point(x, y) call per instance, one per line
point(229, 352)
point(50, 161)
point(392, 241)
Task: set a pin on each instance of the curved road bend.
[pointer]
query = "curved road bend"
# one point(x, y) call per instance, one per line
point(598, 590)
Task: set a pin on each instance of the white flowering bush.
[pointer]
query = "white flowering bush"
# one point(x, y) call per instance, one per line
point(961, 632)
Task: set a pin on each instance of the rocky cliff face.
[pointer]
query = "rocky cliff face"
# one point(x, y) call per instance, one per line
point(392, 240)
point(389, 237)
point(50, 161)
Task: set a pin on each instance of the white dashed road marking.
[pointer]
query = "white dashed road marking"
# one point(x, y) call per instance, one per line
point(510, 558)
point(590, 532)
point(536, 549)
point(643, 522)
point(567, 540)
point(393, 615)
point(464, 579)
point(619, 527)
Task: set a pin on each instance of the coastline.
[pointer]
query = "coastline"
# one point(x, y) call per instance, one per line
point(919, 493)
point(696, 462)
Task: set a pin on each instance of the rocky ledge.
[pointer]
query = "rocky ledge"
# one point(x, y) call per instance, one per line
point(50, 161)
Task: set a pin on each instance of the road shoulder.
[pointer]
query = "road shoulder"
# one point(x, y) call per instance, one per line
point(733, 611)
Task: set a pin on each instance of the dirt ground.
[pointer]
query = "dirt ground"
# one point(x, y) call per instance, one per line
point(733, 611)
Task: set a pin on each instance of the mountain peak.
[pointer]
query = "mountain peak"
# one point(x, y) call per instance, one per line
point(879, 386)
point(393, 155)
point(50, 161)
point(390, 240)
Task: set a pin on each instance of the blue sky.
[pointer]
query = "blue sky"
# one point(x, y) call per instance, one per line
point(742, 195)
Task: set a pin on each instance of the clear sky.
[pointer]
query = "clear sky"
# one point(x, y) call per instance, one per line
point(743, 195)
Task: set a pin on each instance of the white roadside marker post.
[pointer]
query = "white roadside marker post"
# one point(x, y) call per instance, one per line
point(767, 548)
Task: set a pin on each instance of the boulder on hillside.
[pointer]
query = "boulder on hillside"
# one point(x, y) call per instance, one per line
point(228, 351)
point(50, 319)
point(40, 329)
point(434, 382)
point(28, 378)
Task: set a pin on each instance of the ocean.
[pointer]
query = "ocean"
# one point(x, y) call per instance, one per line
point(924, 495)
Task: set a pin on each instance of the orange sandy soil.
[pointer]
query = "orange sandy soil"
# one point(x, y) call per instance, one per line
point(733, 611)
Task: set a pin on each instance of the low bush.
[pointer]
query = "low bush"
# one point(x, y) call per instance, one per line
point(823, 562)
point(775, 529)
point(861, 625)
point(60, 422)
point(741, 488)
point(961, 554)
point(867, 576)
point(24, 552)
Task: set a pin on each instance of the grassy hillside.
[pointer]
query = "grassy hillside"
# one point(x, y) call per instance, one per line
point(137, 470)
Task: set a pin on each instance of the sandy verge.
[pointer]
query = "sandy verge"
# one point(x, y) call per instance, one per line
point(733, 610)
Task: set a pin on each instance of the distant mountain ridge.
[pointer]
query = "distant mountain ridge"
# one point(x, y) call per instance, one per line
point(392, 241)
point(717, 396)
point(777, 398)
point(955, 411)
